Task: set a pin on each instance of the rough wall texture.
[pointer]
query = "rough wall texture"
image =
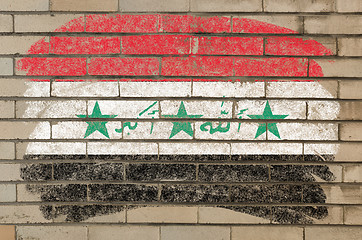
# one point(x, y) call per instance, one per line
point(180, 119)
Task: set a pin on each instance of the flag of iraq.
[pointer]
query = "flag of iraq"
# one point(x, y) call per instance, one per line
point(225, 120)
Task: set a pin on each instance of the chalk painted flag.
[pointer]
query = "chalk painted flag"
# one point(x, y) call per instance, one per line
point(211, 113)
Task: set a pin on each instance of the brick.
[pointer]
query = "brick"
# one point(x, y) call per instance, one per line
point(350, 111)
point(126, 148)
point(156, 44)
point(52, 232)
point(153, 130)
point(77, 130)
point(24, 87)
point(300, 46)
point(10, 172)
point(194, 232)
point(233, 173)
point(197, 66)
point(208, 109)
point(124, 66)
point(226, 6)
point(350, 46)
point(18, 5)
point(353, 215)
point(52, 148)
point(7, 192)
point(153, 88)
point(273, 233)
point(294, 109)
point(301, 89)
point(127, 109)
point(234, 131)
point(323, 110)
point(123, 193)
point(267, 24)
point(6, 23)
point(194, 149)
point(343, 194)
point(337, 24)
point(352, 173)
point(6, 66)
point(88, 171)
point(162, 214)
point(193, 24)
point(50, 109)
point(307, 215)
point(333, 233)
point(21, 44)
point(350, 89)
point(51, 66)
point(122, 23)
point(84, 5)
point(86, 88)
point(85, 45)
point(344, 152)
point(7, 109)
point(269, 148)
point(336, 68)
point(304, 173)
point(351, 132)
point(25, 130)
point(224, 216)
point(124, 232)
point(227, 45)
point(49, 23)
point(292, 67)
point(194, 193)
point(297, 6)
point(7, 150)
point(349, 6)
point(7, 232)
point(161, 172)
point(305, 131)
point(154, 5)
point(237, 88)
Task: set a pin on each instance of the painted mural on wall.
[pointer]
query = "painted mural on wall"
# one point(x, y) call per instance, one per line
point(180, 80)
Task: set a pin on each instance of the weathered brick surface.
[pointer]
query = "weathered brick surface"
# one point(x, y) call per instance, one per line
point(333, 24)
point(18, 5)
point(350, 89)
point(154, 6)
point(193, 233)
point(180, 119)
point(349, 6)
point(51, 232)
point(264, 233)
point(6, 23)
point(7, 193)
point(353, 215)
point(350, 47)
point(226, 6)
point(299, 6)
point(6, 66)
point(353, 233)
point(124, 232)
point(84, 5)
point(45, 23)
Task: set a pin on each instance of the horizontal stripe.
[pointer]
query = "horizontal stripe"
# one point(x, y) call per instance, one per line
point(188, 158)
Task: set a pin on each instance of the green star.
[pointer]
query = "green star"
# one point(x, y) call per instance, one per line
point(267, 114)
point(182, 126)
point(96, 126)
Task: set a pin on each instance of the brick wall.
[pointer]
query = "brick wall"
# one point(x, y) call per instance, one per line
point(180, 119)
